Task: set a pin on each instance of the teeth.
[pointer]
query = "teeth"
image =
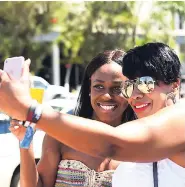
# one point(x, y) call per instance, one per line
point(107, 107)
point(141, 106)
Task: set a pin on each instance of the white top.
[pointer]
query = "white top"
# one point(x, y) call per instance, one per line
point(129, 174)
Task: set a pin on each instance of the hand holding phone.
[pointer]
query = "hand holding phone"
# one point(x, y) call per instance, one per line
point(14, 66)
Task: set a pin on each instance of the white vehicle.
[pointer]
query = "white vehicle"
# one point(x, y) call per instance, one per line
point(63, 105)
point(9, 145)
point(39, 82)
point(51, 91)
point(10, 154)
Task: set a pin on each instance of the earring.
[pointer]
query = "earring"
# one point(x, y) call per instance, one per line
point(89, 94)
point(170, 96)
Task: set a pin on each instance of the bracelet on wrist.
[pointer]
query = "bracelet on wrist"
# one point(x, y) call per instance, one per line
point(33, 116)
point(34, 112)
point(28, 137)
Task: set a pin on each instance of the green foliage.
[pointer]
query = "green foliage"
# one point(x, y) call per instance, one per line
point(109, 27)
point(86, 28)
point(19, 22)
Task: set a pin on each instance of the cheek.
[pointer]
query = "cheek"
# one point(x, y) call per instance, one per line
point(123, 103)
point(158, 97)
point(93, 96)
point(93, 93)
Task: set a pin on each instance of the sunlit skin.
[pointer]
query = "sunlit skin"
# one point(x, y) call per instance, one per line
point(106, 99)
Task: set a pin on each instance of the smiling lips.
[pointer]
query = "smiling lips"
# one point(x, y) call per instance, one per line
point(140, 107)
point(107, 107)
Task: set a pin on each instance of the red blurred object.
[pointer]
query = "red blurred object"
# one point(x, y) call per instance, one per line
point(54, 20)
point(68, 65)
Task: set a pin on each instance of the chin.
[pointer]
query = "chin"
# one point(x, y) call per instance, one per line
point(143, 115)
point(140, 116)
point(107, 120)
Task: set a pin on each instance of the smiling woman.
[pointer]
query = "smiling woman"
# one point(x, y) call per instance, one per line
point(151, 77)
point(107, 104)
point(100, 99)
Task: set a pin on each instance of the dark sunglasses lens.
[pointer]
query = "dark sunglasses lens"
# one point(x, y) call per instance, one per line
point(128, 88)
point(145, 84)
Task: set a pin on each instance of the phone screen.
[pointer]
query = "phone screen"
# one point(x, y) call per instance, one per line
point(13, 66)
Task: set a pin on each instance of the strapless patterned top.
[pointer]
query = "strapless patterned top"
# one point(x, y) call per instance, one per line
point(75, 173)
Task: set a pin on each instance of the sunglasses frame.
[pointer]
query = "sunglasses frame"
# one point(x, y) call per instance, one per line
point(136, 83)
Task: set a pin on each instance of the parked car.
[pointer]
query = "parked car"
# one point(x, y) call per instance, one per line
point(51, 91)
point(9, 146)
point(60, 99)
point(10, 154)
point(39, 82)
point(63, 105)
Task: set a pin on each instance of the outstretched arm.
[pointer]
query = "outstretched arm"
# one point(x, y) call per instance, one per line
point(151, 138)
point(148, 139)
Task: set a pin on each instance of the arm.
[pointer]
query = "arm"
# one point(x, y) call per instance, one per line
point(48, 164)
point(28, 177)
point(43, 175)
point(147, 139)
point(155, 137)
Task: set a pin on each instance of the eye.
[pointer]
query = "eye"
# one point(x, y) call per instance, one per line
point(98, 87)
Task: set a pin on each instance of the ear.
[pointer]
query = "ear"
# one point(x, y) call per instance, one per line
point(176, 86)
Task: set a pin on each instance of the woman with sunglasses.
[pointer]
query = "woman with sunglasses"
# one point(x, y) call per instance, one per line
point(151, 77)
point(139, 140)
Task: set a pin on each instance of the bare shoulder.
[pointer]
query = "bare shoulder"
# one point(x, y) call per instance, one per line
point(51, 149)
point(51, 143)
point(179, 159)
point(50, 159)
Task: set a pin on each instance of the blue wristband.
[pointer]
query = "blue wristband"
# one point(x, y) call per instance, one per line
point(25, 143)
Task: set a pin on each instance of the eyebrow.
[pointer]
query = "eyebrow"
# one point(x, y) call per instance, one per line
point(98, 80)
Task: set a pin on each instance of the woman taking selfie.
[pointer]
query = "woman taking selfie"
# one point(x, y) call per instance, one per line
point(151, 80)
point(140, 140)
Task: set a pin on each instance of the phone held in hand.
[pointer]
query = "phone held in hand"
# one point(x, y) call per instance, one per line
point(14, 66)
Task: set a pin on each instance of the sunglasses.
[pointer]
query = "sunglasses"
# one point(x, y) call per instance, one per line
point(144, 84)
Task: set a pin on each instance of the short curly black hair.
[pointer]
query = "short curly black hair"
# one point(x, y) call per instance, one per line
point(157, 60)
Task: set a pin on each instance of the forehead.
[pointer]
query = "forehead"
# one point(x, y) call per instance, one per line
point(108, 72)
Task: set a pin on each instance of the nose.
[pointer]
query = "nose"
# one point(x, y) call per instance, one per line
point(137, 94)
point(107, 95)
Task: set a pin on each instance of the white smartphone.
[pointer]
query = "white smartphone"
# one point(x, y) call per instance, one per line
point(14, 66)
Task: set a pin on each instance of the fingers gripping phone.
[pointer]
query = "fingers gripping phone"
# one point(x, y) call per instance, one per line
point(14, 66)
